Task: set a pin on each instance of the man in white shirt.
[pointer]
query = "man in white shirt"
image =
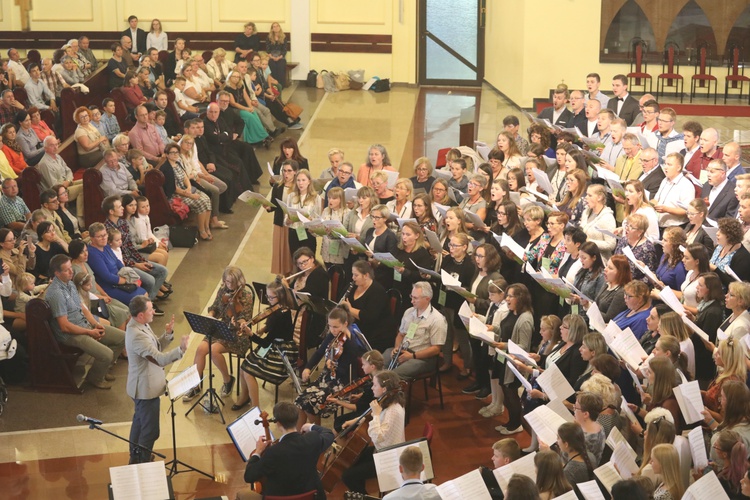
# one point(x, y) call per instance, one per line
point(38, 92)
point(411, 465)
point(593, 82)
point(718, 192)
point(674, 189)
point(14, 64)
point(593, 107)
point(603, 126)
point(668, 140)
point(54, 170)
point(613, 150)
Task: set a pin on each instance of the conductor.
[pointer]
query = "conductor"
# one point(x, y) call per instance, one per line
point(289, 466)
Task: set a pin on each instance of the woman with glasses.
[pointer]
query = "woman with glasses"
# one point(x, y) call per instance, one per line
point(177, 185)
point(281, 257)
point(459, 265)
point(636, 203)
point(730, 253)
point(401, 205)
point(475, 204)
point(439, 193)
point(737, 301)
point(547, 253)
point(379, 239)
point(423, 178)
point(731, 466)
point(421, 207)
point(379, 182)
point(70, 221)
point(18, 258)
point(90, 143)
point(635, 229)
point(638, 303)
point(314, 280)
point(697, 213)
point(585, 412)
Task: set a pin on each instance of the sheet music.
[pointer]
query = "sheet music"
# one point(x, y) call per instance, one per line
point(442, 209)
point(595, 318)
point(448, 279)
point(711, 232)
point(606, 232)
point(524, 382)
point(474, 219)
point(627, 411)
point(628, 252)
point(433, 240)
point(624, 460)
point(695, 328)
point(523, 466)
point(554, 384)
point(439, 173)
point(519, 352)
point(720, 335)
point(470, 485)
point(691, 403)
point(629, 348)
point(545, 423)
point(706, 487)
point(139, 481)
point(479, 330)
point(509, 243)
point(590, 490)
point(465, 313)
point(386, 465)
point(542, 181)
point(392, 178)
point(245, 432)
point(183, 382)
point(731, 273)
point(515, 197)
point(350, 194)
point(698, 448)
point(275, 177)
point(571, 495)
point(423, 270)
point(611, 332)
point(558, 407)
point(668, 297)
point(608, 475)
point(615, 437)
point(578, 292)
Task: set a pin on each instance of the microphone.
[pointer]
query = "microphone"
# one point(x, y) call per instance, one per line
point(88, 420)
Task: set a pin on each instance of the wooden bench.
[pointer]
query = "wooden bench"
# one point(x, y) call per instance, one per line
point(161, 213)
point(72, 99)
point(51, 364)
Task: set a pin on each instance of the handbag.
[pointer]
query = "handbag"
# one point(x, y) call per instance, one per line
point(127, 287)
point(382, 85)
point(179, 207)
point(319, 82)
point(183, 236)
point(312, 78)
point(292, 110)
point(101, 309)
point(150, 248)
point(342, 81)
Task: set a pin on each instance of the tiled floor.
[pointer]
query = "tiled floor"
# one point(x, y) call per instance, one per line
point(73, 462)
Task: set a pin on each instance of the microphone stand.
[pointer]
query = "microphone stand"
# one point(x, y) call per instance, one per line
point(98, 427)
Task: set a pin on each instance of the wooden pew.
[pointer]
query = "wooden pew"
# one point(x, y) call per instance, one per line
point(50, 363)
point(93, 194)
point(161, 212)
point(71, 99)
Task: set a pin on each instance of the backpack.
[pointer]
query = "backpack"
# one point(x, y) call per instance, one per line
point(312, 78)
point(383, 85)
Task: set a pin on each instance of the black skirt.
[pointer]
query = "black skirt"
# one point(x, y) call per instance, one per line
point(270, 367)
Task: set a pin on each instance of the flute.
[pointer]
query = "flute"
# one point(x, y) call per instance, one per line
point(295, 275)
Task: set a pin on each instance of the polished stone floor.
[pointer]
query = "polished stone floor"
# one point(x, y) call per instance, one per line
point(44, 454)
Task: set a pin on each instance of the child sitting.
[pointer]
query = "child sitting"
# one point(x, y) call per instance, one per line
point(26, 290)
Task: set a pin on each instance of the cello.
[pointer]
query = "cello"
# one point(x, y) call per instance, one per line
point(348, 446)
point(257, 485)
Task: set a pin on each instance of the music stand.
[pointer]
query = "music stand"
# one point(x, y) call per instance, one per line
point(210, 328)
point(290, 371)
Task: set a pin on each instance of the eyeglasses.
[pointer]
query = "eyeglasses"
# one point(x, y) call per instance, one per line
point(478, 256)
point(664, 120)
point(412, 297)
point(304, 262)
point(345, 172)
point(173, 153)
point(628, 296)
point(376, 217)
point(451, 245)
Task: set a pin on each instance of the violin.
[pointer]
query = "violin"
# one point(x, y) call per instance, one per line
point(257, 486)
point(348, 389)
point(265, 314)
point(230, 298)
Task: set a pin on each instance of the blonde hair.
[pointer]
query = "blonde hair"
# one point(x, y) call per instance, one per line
point(404, 182)
point(733, 357)
point(669, 460)
point(311, 195)
point(423, 160)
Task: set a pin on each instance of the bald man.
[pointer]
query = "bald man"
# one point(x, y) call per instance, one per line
point(731, 156)
point(593, 107)
point(710, 149)
point(640, 118)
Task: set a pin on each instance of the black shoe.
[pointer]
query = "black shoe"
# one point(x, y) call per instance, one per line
point(472, 389)
point(226, 389)
point(483, 393)
point(226, 211)
point(239, 406)
point(164, 295)
point(167, 285)
point(157, 311)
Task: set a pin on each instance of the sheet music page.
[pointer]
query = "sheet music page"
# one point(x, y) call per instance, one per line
point(625, 462)
point(245, 433)
point(542, 180)
point(606, 232)
point(698, 448)
point(668, 297)
point(433, 240)
point(183, 382)
point(571, 495)
point(554, 384)
point(615, 437)
point(519, 352)
point(706, 487)
point(695, 328)
point(139, 481)
point(595, 318)
point(469, 485)
point(509, 243)
point(386, 465)
point(474, 219)
point(608, 475)
point(524, 381)
point(629, 349)
point(545, 423)
point(627, 411)
point(590, 490)
point(691, 403)
point(479, 330)
point(425, 270)
point(559, 408)
point(449, 280)
point(524, 466)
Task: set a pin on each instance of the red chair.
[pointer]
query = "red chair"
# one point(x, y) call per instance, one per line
point(428, 431)
point(703, 77)
point(639, 75)
point(670, 72)
point(19, 93)
point(735, 72)
point(441, 154)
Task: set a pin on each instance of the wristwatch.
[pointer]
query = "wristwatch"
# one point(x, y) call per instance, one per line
point(414, 355)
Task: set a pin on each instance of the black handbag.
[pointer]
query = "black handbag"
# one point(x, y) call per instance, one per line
point(312, 78)
point(127, 287)
point(383, 85)
point(183, 236)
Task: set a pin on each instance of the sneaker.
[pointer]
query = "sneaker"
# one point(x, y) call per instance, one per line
point(483, 393)
point(226, 389)
point(491, 411)
point(157, 311)
point(471, 389)
point(192, 394)
point(296, 126)
point(507, 432)
point(101, 384)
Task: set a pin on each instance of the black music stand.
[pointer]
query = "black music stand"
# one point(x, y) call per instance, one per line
point(210, 328)
point(173, 464)
point(318, 305)
point(289, 369)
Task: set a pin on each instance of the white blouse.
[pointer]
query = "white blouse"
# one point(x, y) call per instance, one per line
point(388, 429)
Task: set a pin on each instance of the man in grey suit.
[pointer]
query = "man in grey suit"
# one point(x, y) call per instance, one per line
point(146, 380)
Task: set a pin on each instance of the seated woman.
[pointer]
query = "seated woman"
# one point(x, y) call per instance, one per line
point(18, 259)
point(254, 131)
point(264, 361)
point(423, 178)
point(131, 92)
point(232, 305)
point(635, 228)
point(638, 302)
point(143, 232)
point(50, 244)
point(70, 221)
point(372, 364)
point(39, 126)
point(194, 93)
point(341, 354)
point(177, 185)
point(385, 429)
point(106, 266)
point(117, 67)
point(694, 232)
point(118, 312)
point(147, 244)
point(314, 281)
point(368, 305)
point(71, 73)
point(12, 149)
point(90, 143)
point(730, 255)
point(147, 88)
point(219, 66)
point(32, 148)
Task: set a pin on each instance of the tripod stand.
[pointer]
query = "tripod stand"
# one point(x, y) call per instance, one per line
point(96, 424)
point(173, 464)
point(210, 328)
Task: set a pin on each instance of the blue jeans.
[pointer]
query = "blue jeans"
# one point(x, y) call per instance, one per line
point(152, 280)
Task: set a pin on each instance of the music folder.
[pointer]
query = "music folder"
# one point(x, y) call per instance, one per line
point(386, 464)
point(245, 432)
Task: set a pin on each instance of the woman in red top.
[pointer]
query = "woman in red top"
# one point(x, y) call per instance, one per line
point(131, 92)
point(12, 149)
point(39, 126)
